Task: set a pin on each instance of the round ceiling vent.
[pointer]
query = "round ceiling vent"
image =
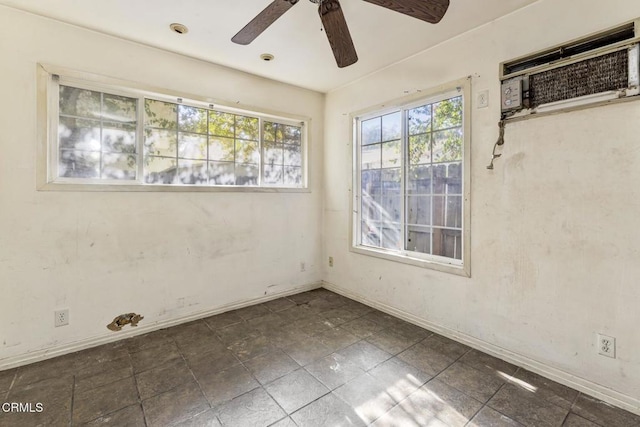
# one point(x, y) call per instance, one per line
point(267, 57)
point(179, 28)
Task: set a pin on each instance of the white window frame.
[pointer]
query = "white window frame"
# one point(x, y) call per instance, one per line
point(51, 77)
point(435, 262)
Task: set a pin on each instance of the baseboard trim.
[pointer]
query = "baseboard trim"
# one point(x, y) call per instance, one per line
point(49, 353)
point(598, 391)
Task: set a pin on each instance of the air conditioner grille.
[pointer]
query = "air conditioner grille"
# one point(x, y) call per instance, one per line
point(600, 74)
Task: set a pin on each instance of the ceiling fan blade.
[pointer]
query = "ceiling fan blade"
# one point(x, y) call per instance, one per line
point(338, 33)
point(262, 21)
point(426, 10)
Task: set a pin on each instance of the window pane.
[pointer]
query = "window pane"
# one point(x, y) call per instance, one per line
point(390, 235)
point(420, 149)
point(119, 108)
point(419, 180)
point(439, 178)
point(192, 146)
point(247, 128)
point(371, 131)
point(391, 154)
point(192, 172)
point(191, 119)
point(292, 134)
point(391, 126)
point(439, 211)
point(370, 182)
point(454, 178)
point(119, 166)
point(419, 239)
point(119, 137)
point(79, 164)
point(419, 119)
point(454, 212)
point(222, 173)
point(158, 114)
point(246, 174)
point(391, 181)
point(447, 113)
point(371, 194)
point(79, 102)
point(419, 210)
point(269, 131)
point(221, 124)
point(391, 208)
point(292, 155)
point(371, 156)
point(159, 170)
point(371, 209)
point(221, 149)
point(273, 154)
point(79, 134)
point(447, 211)
point(293, 176)
point(370, 233)
point(280, 133)
point(160, 142)
point(447, 145)
point(447, 243)
point(273, 174)
point(247, 152)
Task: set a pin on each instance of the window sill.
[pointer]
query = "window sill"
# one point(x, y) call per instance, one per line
point(457, 269)
point(58, 186)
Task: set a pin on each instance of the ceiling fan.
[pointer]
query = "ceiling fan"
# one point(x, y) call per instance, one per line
point(335, 24)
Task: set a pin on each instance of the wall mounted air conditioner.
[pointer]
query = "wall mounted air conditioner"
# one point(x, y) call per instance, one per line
point(589, 71)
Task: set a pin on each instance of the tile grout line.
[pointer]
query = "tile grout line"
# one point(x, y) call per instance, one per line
point(303, 367)
point(73, 398)
point(485, 405)
point(135, 380)
point(139, 402)
point(260, 385)
point(489, 400)
point(575, 399)
point(211, 407)
point(573, 404)
point(429, 380)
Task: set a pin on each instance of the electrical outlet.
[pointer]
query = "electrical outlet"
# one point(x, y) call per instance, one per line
point(303, 267)
point(607, 346)
point(330, 261)
point(61, 317)
point(483, 99)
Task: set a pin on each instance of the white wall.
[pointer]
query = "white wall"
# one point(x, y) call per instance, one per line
point(164, 255)
point(555, 227)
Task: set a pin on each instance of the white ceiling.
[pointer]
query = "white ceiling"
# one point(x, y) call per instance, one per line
point(302, 53)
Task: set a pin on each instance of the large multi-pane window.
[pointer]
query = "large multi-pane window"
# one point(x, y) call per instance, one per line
point(130, 137)
point(97, 135)
point(410, 179)
point(190, 145)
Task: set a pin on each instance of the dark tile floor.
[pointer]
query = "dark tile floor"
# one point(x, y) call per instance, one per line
point(312, 359)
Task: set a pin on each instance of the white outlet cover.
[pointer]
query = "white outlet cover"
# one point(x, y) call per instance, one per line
point(61, 318)
point(606, 346)
point(482, 99)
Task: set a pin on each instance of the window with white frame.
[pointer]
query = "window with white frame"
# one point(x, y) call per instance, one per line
point(410, 175)
point(118, 135)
